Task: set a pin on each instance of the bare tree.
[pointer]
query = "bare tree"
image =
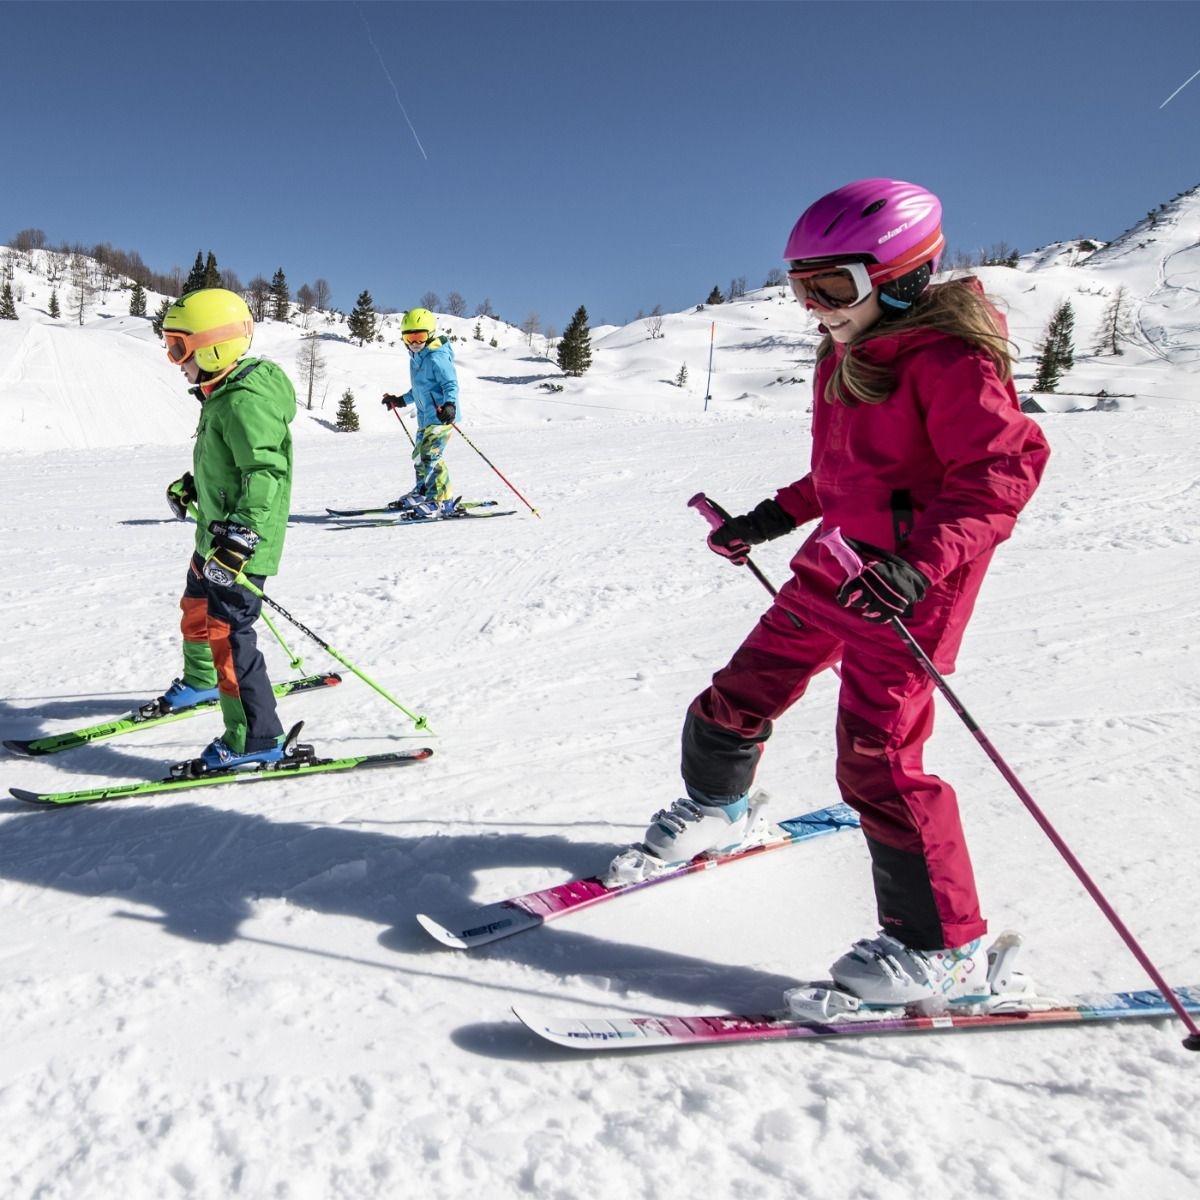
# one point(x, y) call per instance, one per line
point(775, 278)
point(485, 309)
point(258, 295)
point(654, 322)
point(29, 239)
point(999, 254)
point(737, 287)
point(82, 285)
point(311, 364)
point(530, 326)
point(305, 298)
point(1115, 324)
point(431, 301)
point(456, 306)
point(322, 294)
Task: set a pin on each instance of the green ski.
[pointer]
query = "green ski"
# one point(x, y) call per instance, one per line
point(55, 742)
point(288, 769)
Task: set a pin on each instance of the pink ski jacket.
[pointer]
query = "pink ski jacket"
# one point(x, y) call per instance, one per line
point(937, 473)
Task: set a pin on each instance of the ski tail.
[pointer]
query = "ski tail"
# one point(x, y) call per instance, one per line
point(56, 742)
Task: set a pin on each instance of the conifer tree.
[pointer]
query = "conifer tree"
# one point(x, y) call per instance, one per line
point(715, 297)
point(53, 308)
point(347, 415)
point(361, 323)
point(8, 307)
point(1114, 325)
point(137, 301)
point(156, 322)
point(195, 277)
point(1056, 354)
point(575, 348)
point(681, 378)
point(212, 277)
point(281, 297)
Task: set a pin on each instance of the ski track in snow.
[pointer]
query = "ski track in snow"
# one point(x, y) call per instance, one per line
point(226, 994)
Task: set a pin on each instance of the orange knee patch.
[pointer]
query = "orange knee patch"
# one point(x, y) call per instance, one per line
point(194, 624)
point(222, 652)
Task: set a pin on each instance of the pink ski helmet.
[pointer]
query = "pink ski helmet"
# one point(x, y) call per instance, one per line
point(893, 227)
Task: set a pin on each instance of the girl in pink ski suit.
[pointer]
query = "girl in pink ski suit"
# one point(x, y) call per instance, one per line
point(922, 454)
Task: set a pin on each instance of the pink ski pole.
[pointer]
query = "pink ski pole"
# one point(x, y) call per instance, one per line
point(850, 562)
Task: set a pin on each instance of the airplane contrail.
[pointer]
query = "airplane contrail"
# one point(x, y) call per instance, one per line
point(1178, 90)
point(396, 90)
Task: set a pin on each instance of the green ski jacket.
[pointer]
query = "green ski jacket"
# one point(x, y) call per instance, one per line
point(242, 460)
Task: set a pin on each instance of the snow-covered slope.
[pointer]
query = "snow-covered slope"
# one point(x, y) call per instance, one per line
point(227, 995)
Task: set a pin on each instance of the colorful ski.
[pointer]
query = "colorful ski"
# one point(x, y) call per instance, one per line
point(477, 926)
point(638, 1033)
point(55, 742)
point(285, 770)
point(413, 519)
point(387, 511)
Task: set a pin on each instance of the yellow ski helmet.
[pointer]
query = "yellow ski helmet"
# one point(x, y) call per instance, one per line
point(418, 319)
point(213, 324)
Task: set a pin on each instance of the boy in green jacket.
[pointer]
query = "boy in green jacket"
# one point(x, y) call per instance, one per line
point(241, 485)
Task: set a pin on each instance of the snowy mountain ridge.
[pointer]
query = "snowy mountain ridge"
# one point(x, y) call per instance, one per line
point(762, 347)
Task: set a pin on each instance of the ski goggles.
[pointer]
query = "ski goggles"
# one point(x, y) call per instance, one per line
point(416, 337)
point(181, 346)
point(841, 286)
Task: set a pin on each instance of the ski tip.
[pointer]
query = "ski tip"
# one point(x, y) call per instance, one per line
point(24, 749)
point(27, 797)
point(440, 933)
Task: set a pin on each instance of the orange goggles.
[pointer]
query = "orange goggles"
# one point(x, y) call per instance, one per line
point(181, 346)
point(416, 337)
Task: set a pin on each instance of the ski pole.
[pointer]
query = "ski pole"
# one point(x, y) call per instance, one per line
point(296, 661)
point(852, 564)
point(405, 428)
point(418, 722)
point(498, 472)
point(716, 516)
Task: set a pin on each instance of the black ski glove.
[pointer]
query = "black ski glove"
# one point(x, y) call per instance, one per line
point(885, 589)
point(233, 546)
point(764, 522)
point(447, 412)
point(181, 493)
point(393, 402)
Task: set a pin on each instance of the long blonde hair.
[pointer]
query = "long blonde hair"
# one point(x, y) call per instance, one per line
point(956, 307)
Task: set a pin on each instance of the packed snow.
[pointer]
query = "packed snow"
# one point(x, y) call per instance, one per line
point(226, 994)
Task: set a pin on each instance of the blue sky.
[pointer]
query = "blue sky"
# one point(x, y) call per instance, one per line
point(617, 155)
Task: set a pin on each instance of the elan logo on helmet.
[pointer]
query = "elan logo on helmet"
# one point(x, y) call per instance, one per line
point(891, 233)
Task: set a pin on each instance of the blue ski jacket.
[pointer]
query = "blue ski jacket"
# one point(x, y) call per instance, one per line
point(434, 382)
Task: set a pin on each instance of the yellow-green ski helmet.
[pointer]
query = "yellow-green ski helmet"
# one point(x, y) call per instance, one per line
point(418, 319)
point(213, 324)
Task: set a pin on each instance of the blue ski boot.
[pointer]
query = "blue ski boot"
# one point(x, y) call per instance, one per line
point(218, 756)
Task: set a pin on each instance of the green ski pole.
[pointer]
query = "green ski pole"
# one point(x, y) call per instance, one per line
point(418, 722)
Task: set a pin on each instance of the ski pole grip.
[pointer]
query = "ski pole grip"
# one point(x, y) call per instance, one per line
point(712, 512)
point(833, 541)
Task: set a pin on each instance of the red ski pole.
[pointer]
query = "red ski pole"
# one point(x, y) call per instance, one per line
point(852, 564)
point(498, 472)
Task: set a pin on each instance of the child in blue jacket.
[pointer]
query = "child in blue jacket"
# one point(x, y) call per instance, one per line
point(434, 391)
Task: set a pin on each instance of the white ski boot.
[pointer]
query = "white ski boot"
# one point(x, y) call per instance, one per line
point(883, 973)
point(686, 830)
